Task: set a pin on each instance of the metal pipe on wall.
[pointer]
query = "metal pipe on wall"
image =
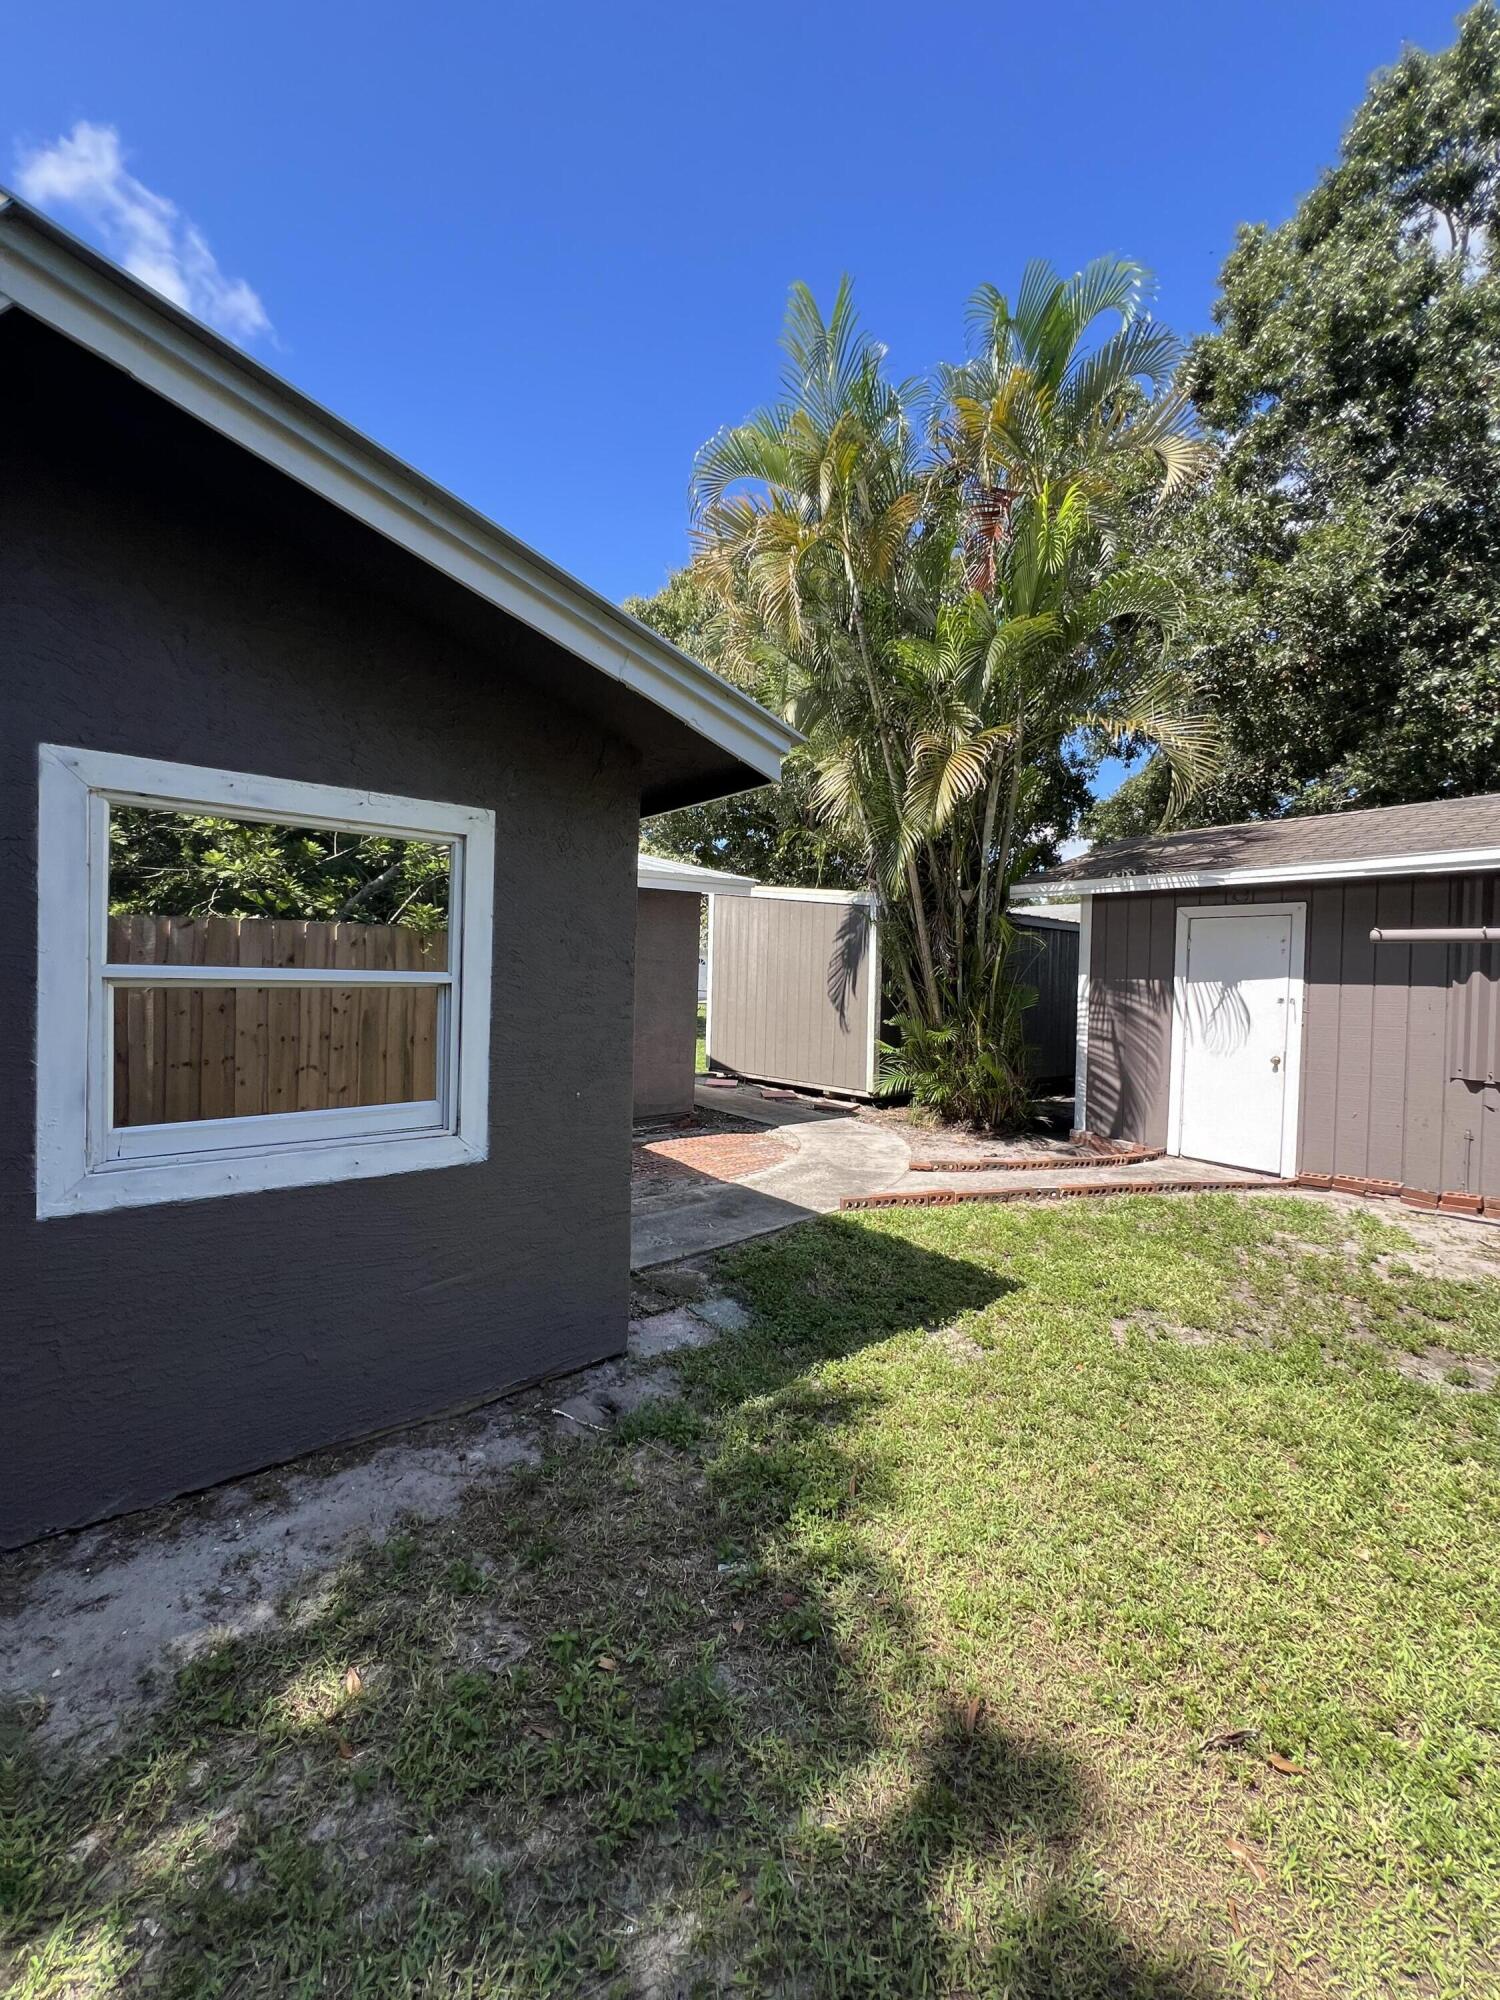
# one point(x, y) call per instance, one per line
point(1446, 934)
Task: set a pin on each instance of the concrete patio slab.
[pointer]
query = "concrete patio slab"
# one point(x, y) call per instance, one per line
point(834, 1154)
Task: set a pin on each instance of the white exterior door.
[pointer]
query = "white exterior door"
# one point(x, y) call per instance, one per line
point(1236, 1035)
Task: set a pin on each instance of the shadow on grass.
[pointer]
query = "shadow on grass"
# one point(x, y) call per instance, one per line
point(644, 1721)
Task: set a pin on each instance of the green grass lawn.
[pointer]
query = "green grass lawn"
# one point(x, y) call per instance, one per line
point(701, 1064)
point(1090, 1600)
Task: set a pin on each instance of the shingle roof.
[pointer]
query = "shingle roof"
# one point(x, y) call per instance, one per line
point(1328, 845)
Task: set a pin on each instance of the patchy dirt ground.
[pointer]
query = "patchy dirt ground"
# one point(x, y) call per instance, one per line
point(932, 1140)
point(105, 1617)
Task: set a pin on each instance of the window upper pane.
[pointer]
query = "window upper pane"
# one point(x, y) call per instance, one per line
point(185, 1053)
point(204, 889)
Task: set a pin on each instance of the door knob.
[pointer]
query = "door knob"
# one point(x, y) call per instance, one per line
point(1276, 1062)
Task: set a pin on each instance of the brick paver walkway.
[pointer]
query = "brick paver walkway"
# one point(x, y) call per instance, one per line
point(717, 1156)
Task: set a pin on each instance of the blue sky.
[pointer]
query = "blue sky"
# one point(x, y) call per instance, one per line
point(542, 252)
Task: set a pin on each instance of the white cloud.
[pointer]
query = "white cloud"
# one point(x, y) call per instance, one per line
point(1070, 850)
point(85, 172)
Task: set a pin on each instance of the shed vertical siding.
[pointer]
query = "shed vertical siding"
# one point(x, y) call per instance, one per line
point(794, 987)
point(1047, 960)
point(1401, 1043)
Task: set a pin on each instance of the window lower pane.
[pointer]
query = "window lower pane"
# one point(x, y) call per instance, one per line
point(184, 1053)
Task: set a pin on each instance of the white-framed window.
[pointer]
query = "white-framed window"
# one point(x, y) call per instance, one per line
point(188, 1046)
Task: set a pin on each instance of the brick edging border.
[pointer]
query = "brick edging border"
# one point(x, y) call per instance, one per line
point(953, 1197)
point(1449, 1201)
point(1032, 1163)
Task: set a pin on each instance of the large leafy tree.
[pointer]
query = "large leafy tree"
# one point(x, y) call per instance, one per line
point(1346, 546)
point(775, 832)
point(197, 865)
point(927, 579)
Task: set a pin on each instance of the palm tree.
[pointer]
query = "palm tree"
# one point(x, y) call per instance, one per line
point(804, 519)
point(938, 606)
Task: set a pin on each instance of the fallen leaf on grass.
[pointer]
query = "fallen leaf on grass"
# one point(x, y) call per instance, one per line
point(346, 1748)
point(354, 1681)
point(606, 1665)
point(736, 1625)
point(1284, 1765)
point(790, 1598)
point(1263, 1538)
point(544, 1730)
point(972, 1710)
point(1251, 1860)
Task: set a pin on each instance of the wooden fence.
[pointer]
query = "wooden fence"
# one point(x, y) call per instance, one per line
point(191, 1052)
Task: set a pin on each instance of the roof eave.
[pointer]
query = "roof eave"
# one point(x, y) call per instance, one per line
point(654, 873)
point(48, 273)
point(1466, 861)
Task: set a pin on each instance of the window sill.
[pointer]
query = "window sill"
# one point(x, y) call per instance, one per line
point(139, 1183)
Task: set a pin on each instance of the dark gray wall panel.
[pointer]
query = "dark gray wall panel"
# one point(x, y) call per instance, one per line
point(155, 1350)
point(666, 1002)
point(1046, 959)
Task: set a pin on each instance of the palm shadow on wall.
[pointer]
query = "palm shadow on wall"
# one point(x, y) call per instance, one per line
point(851, 946)
point(1128, 1090)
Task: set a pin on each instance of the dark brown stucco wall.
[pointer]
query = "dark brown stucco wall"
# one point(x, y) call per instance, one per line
point(147, 606)
point(1401, 1043)
point(666, 1002)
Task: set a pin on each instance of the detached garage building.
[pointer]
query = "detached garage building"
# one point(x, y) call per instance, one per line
point(1304, 995)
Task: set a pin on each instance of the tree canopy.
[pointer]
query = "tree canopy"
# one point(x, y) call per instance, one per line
point(774, 832)
point(1340, 563)
point(199, 864)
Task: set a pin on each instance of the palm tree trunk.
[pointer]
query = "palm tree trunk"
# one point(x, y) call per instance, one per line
point(991, 803)
point(1008, 829)
point(913, 879)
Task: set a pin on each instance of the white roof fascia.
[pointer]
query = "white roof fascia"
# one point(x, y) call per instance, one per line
point(864, 897)
point(655, 871)
point(1461, 861)
point(81, 295)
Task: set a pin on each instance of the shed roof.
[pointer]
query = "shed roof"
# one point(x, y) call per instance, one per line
point(710, 737)
point(1441, 837)
point(655, 871)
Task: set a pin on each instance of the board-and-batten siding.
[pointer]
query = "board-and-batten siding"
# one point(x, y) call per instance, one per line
point(1401, 1042)
point(790, 991)
point(1046, 959)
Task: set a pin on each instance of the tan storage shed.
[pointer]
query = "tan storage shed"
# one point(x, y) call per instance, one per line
point(794, 988)
point(1314, 995)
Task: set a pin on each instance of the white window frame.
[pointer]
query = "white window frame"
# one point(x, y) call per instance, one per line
point(84, 1163)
